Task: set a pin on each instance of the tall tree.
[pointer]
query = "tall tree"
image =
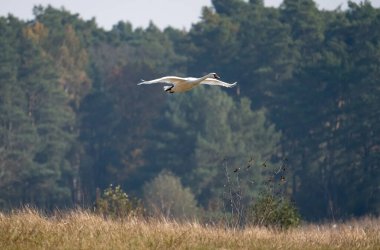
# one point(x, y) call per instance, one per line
point(200, 129)
point(48, 179)
point(16, 136)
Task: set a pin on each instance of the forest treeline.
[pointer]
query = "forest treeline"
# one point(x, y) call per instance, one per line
point(73, 120)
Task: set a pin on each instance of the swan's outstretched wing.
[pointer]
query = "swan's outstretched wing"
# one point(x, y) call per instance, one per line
point(165, 79)
point(211, 81)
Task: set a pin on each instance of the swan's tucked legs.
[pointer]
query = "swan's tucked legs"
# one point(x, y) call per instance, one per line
point(169, 88)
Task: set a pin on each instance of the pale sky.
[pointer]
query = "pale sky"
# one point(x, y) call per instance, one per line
point(163, 13)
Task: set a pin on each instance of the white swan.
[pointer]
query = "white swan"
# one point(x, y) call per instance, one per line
point(180, 84)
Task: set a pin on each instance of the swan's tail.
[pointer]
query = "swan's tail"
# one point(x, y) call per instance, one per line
point(232, 85)
point(142, 81)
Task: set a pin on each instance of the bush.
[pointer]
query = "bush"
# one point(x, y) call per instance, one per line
point(115, 203)
point(165, 196)
point(272, 211)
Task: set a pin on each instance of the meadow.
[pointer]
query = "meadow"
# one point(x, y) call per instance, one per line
point(29, 229)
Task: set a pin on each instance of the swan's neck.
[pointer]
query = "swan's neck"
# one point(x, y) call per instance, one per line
point(197, 81)
point(203, 78)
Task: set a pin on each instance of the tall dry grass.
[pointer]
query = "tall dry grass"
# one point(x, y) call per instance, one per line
point(28, 229)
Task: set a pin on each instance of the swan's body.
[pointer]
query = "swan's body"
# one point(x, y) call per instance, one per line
point(181, 84)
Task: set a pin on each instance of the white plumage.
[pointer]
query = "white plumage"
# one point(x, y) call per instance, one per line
point(180, 84)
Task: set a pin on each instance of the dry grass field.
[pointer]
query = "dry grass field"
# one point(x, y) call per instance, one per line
point(28, 229)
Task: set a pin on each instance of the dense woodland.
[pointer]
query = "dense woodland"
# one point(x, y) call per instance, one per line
point(73, 120)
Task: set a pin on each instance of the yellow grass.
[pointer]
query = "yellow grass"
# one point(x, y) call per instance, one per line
point(28, 229)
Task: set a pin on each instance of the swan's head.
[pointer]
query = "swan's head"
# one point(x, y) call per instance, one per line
point(214, 75)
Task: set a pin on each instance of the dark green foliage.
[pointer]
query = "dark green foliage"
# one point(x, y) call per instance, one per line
point(36, 127)
point(115, 203)
point(271, 211)
point(198, 130)
point(72, 118)
point(326, 148)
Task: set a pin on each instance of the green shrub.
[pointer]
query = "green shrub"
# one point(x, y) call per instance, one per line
point(272, 211)
point(115, 203)
point(165, 196)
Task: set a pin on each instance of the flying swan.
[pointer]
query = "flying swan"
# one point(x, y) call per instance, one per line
point(179, 84)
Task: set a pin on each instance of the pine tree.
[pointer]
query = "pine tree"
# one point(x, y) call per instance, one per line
point(45, 180)
point(17, 138)
point(200, 129)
